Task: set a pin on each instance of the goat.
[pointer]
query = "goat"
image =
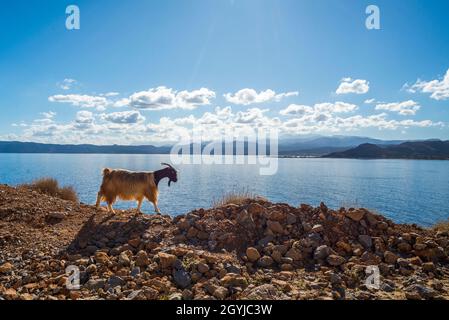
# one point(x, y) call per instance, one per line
point(129, 185)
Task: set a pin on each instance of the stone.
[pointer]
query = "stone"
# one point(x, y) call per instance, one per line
point(317, 228)
point(182, 278)
point(275, 226)
point(390, 257)
point(134, 242)
point(265, 261)
point(252, 254)
point(220, 293)
point(123, 259)
point(295, 254)
point(335, 260)
point(322, 252)
point(175, 296)
point(355, 215)
point(417, 290)
point(266, 292)
point(101, 257)
point(136, 295)
point(255, 209)
point(404, 247)
point(142, 259)
point(428, 267)
point(365, 241)
point(202, 267)
point(233, 280)
point(6, 267)
point(167, 260)
point(95, 284)
point(115, 281)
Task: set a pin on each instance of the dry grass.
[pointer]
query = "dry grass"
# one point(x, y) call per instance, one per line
point(441, 226)
point(50, 186)
point(234, 197)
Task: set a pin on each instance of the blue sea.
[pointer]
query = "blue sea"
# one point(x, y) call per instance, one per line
point(407, 191)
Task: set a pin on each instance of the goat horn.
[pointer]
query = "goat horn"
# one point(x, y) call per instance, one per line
point(168, 165)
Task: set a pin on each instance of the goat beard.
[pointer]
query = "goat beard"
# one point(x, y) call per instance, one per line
point(169, 182)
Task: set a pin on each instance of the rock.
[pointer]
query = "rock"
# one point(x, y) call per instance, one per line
point(175, 296)
point(115, 281)
point(182, 278)
point(101, 257)
point(233, 280)
point(295, 254)
point(255, 209)
point(134, 242)
point(220, 293)
point(365, 241)
point(167, 260)
point(428, 267)
point(265, 292)
point(142, 259)
point(335, 260)
point(390, 257)
point(404, 247)
point(10, 294)
point(150, 293)
point(202, 267)
point(322, 252)
point(136, 295)
point(417, 291)
point(317, 228)
point(355, 215)
point(265, 261)
point(55, 217)
point(275, 226)
point(252, 254)
point(123, 259)
point(95, 284)
point(6, 267)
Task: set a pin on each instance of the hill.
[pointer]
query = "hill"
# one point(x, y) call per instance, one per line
point(32, 147)
point(254, 249)
point(425, 150)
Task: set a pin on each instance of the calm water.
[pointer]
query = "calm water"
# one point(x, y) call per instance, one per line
point(404, 190)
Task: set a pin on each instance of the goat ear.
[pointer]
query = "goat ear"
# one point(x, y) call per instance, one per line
point(169, 182)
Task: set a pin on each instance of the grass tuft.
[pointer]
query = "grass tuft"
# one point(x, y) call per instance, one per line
point(50, 186)
point(235, 197)
point(441, 226)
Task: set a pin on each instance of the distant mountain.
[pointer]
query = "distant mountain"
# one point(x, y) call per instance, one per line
point(32, 147)
point(428, 150)
point(318, 146)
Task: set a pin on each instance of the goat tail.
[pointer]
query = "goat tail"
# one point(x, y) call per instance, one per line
point(106, 171)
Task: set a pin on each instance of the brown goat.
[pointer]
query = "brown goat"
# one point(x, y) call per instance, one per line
point(129, 185)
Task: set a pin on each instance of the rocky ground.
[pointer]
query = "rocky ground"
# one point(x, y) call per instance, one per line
point(254, 250)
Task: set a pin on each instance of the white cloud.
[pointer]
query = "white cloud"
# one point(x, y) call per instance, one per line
point(369, 101)
point(124, 117)
point(296, 110)
point(162, 98)
point(250, 96)
point(48, 115)
point(84, 101)
point(438, 89)
point(349, 85)
point(67, 84)
point(319, 110)
point(405, 108)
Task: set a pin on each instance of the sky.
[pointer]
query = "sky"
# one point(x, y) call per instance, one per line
point(150, 71)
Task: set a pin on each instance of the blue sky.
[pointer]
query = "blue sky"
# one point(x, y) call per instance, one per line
point(148, 71)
